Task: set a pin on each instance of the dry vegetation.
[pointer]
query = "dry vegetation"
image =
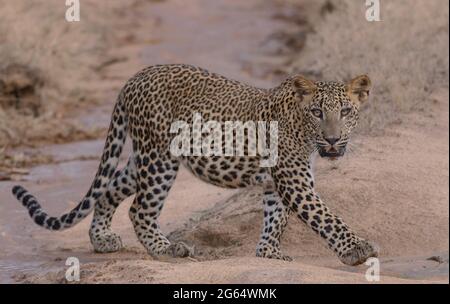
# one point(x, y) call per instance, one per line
point(406, 54)
point(49, 68)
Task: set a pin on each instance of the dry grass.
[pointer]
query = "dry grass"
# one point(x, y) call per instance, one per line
point(406, 54)
point(12, 166)
point(48, 66)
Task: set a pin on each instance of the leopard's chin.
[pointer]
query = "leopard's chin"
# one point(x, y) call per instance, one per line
point(331, 152)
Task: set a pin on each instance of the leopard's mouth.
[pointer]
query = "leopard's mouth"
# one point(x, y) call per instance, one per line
point(331, 152)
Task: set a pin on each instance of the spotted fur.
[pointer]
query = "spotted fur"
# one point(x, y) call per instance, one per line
point(311, 116)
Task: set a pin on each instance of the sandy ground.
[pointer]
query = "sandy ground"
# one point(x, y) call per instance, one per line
point(392, 189)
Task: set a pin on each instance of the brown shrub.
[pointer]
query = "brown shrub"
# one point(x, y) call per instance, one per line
point(48, 67)
point(405, 54)
point(20, 89)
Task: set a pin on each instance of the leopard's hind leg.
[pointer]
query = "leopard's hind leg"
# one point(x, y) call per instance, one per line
point(121, 186)
point(155, 175)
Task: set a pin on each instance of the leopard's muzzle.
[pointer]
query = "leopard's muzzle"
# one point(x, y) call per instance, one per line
point(331, 152)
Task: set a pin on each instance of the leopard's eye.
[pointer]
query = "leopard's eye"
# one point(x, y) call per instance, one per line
point(345, 112)
point(317, 113)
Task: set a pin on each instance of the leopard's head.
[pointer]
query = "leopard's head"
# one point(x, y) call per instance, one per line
point(330, 111)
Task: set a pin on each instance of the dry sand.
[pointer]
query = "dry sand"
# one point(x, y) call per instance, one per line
point(391, 188)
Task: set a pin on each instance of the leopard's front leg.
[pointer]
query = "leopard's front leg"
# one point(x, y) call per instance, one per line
point(276, 217)
point(350, 248)
point(294, 182)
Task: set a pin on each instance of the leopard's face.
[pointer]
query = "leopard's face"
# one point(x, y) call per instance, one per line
point(330, 112)
point(333, 116)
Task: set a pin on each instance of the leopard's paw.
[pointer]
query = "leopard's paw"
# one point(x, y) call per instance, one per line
point(106, 242)
point(269, 252)
point(180, 249)
point(359, 253)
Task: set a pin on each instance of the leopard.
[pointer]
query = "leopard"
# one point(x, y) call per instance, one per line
point(313, 118)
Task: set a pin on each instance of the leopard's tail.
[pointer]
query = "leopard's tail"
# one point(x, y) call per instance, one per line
point(115, 141)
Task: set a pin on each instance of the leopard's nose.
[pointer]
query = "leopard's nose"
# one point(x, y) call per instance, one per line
point(332, 140)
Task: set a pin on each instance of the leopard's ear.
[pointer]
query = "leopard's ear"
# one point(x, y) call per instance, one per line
point(304, 87)
point(359, 88)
